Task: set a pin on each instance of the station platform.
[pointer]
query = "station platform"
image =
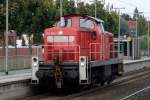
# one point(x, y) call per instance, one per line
point(15, 75)
point(139, 60)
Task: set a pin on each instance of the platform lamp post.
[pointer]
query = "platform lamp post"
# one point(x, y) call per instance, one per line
point(6, 40)
point(61, 13)
point(95, 8)
point(119, 29)
point(60, 8)
point(137, 23)
point(148, 35)
point(137, 30)
point(95, 4)
point(148, 38)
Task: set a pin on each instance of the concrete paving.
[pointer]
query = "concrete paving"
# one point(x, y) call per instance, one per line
point(132, 65)
point(15, 85)
point(15, 75)
point(138, 60)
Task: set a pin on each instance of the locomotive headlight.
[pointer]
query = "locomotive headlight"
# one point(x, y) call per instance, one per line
point(60, 32)
point(35, 64)
point(43, 49)
point(82, 64)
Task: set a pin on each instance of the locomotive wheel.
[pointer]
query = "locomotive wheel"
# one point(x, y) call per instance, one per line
point(109, 81)
point(102, 83)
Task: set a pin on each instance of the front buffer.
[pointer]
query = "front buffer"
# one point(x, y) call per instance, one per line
point(67, 74)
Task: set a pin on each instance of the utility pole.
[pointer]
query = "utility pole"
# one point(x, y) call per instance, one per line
point(60, 8)
point(137, 39)
point(95, 8)
point(148, 38)
point(61, 18)
point(136, 28)
point(134, 57)
point(148, 35)
point(137, 24)
point(95, 4)
point(6, 40)
point(119, 29)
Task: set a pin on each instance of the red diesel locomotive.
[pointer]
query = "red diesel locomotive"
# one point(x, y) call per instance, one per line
point(77, 51)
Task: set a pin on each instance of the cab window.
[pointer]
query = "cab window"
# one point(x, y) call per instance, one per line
point(67, 23)
point(86, 23)
point(101, 27)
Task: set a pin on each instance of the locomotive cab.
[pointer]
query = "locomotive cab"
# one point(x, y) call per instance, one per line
point(78, 51)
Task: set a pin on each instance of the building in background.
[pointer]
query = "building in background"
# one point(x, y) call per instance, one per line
point(11, 38)
point(131, 27)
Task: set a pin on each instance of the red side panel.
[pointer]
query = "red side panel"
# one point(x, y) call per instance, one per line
point(85, 40)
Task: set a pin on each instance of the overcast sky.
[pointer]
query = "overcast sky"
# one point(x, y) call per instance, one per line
point(130, 5)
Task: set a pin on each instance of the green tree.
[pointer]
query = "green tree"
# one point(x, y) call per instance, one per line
point(140, 22)
point(33, 16)
point(2, 16)
point(136, 14)
point(141, 25)
point(123, 26)
point(81, 8)
point(126, 17)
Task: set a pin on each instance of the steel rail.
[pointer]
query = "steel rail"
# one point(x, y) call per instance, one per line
point(135, 93)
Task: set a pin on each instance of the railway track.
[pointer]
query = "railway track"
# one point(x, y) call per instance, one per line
point(131, 76)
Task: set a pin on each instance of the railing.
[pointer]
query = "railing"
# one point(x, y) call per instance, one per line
point(94, 52)
point(72, 52)
point(18, 58)
point(16, 62)
point(97, 51)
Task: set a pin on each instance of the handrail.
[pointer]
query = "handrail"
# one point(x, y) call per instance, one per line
point(94, 49)
point(75, 48)
point(101, 47)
